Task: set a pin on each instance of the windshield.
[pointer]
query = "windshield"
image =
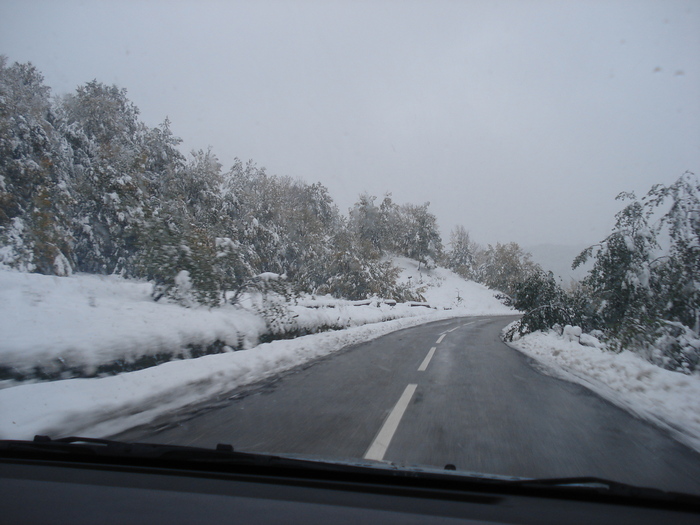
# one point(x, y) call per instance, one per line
point(419, 233)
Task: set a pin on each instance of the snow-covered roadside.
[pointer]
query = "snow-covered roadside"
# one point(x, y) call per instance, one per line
point(89, 320)
point(667, 399)
point(104, 406)
point(85, 325)
point(84, 321)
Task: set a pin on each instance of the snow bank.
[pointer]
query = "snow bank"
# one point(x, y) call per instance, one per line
point(84, 321)
point(81, 325)
point(345, 315)
point(667, 399)
point(108, 405)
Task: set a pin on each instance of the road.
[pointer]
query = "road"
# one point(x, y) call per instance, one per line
point(443, 392)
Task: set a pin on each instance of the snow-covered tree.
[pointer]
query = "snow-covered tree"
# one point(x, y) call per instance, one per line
point(646, 274)
point(417, 234)
point(351, 275)
point(460, 256)
point(543, 301)
point(369, 224)
point(503, 266)
point(161, 160)
point(679, 273)
point(33, 192)
point(106, 139)
point(621, 278)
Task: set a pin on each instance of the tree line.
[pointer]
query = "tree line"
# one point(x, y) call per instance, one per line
point(86, 186)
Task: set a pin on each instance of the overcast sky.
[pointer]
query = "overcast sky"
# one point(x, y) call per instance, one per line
point(520, 120)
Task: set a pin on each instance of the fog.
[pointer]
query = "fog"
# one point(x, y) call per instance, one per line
point(519, 120)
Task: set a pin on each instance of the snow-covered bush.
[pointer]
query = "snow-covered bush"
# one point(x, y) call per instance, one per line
point(646, 293)
point(638, 295)
point(543, 301)
point(676, 347)
point(268, 294)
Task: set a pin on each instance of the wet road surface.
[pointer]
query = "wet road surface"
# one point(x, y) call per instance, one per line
point(444, 392)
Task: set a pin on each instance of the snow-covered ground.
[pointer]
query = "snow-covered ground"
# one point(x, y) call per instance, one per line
point(85, 321)
point(446, 289)
point(668, 399)
point(88, 320)
point(80, 322)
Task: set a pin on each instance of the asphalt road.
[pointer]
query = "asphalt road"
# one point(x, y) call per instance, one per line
point(472, 401)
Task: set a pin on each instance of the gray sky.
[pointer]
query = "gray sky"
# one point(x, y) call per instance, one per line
point(520, 120)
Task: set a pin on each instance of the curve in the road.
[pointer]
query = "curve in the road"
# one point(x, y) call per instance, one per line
point(445, 392)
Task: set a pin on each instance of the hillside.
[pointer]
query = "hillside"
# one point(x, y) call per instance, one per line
point(444, 289)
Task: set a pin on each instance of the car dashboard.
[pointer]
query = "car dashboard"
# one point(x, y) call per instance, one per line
point(81, 487)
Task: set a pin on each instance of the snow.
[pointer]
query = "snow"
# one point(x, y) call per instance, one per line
point(83, 321)
point(446, 289)
point(572, 333)
point(87, 320)
point(105, 406)
point(667, 399)
point(269, 276)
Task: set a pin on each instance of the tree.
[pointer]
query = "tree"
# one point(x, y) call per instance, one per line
point(181, 265)
point(645, 280)
point(418, 234)
point(33, 190)
point(160, 160)
point(288, 223)
point(621, 279)
point(679, 273)
point(107, 142)
point(503, 266)
point(461, 255)
point(544, 302)
point(353, 276)
point(366, 223)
